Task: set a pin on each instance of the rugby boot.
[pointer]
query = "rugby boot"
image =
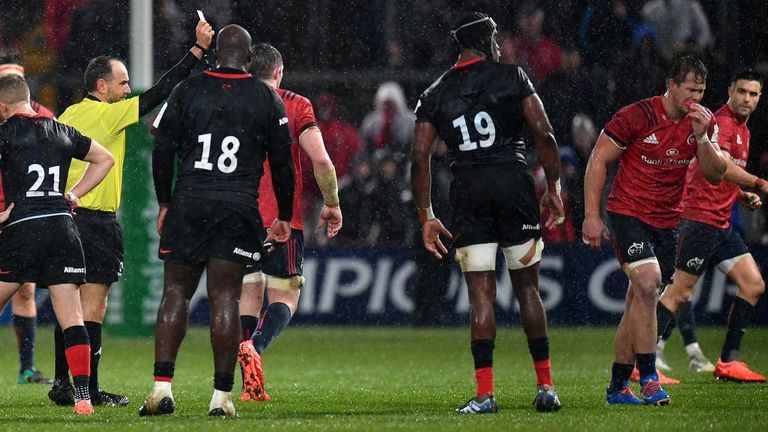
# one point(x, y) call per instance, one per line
point(653, 394)
point(159, 402)
point(83, 407)
point(33, 376)
point(221, 405)
point(62, 392)
point(698, 363)
point(253, 377)
point(635, 377)
point(624, 396)
point(661, 360)
point(736, 371)
point(101, 397)
point(546, 399)
point(479, 405)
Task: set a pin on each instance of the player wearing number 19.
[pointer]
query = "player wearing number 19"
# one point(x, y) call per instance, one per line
point(220, 125)
point(479, 108)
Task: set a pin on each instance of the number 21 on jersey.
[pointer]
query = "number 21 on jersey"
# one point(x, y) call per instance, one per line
point(484, 127)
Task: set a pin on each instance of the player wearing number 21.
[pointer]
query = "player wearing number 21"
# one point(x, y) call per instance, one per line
point(479, 108)
point(220, 125)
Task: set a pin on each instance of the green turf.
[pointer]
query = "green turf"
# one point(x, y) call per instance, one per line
point(394, 379)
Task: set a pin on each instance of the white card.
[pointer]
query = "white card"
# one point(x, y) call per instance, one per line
point(200, 14)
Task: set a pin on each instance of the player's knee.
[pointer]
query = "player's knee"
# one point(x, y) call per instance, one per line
point(26, 293)
point(523, 255)
point(754, 288)
point(254, 278)
point(292, 283)
point(477, 257)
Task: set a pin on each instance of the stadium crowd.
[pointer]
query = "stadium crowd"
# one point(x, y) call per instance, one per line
point(586, 59)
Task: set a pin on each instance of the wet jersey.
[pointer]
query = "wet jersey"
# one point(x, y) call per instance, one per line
point(35, 154)
point(301, 116)
point(476, 109)
point(219, 124)
point(711, 204)
point(657, 151)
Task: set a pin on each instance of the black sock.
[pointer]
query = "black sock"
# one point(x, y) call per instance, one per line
point(646, 365)
point(620, 376)
point(94, 334)
point(482, 353)
point(62, 367)
point(738, 319)
point(666, 321)
point(539, 348)
point(248, 324)
point(276, 318)
point(687, 323)
point(223, 381)
point(164, 369)
point(25, 337)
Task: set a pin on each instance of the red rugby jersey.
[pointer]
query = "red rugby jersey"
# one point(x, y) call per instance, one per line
point(711, 204)
point(651, 176)
point(301, 116)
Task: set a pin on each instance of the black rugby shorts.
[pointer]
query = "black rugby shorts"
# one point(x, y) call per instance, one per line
point(702, 245)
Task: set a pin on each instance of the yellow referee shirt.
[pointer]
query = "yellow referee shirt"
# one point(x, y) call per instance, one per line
point(105, 123)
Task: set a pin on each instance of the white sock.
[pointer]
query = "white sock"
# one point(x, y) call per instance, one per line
point(162, 387)
point(661, 344)
point(219, 398)
point(693, 349)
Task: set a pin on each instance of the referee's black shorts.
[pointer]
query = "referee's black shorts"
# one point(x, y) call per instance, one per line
point(102, 240)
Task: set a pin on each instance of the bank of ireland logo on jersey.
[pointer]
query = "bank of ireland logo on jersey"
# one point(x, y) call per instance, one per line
point(695, 263)
point(635, 250)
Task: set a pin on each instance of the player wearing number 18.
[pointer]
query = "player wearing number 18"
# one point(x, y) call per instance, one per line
point(479, 108)
point(220, 125)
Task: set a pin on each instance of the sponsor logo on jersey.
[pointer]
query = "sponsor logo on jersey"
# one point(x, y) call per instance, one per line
point(635, 249)
point(649, 161)
point(253, 255)
point(531, 227)
point(672, 152)
point(282, 121)
point(74, 270)
point(695, 263)
point(651, 139)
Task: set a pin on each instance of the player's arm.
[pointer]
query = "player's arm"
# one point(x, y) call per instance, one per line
point(712, 163)
point(311, 141)
point(605, 153)
point(548, 154)
point(100, 162)
point(162, 89)
point(424, 139)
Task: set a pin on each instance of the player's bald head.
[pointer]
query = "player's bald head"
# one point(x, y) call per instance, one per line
point(233, 46)
point(13, 89)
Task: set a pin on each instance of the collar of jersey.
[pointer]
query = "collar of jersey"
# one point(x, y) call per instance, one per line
point(227, 73)
point(467, 63)
point(35, 115)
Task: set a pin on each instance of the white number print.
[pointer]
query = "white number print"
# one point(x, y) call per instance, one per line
point(484, 127)
point(227, 161)
point(40, 171)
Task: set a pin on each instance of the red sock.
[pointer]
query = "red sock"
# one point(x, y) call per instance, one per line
point(484, 378)
point(79, 359)
point(164, 379)
point(543, 372)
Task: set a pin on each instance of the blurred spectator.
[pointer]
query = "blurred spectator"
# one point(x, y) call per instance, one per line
point(532, 46)
point(357, 192)
point(678, 23)
point(58, 20)
point(10, 63)
point(567, 92)
point(390, 126)
point(641, 68)
point(583, 136)
point(18, 17)
point(389, 211)
point(605, 30)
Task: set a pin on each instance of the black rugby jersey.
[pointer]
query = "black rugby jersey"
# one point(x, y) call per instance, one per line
point(476, 108)
point(220, 125)
point(35, 153)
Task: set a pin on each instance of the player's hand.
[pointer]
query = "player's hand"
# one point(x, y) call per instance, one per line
point(701, 117)
point(430, 235)
point(279, 232)
point(204, 34)
point(161, 218)
point(553, 202)
point(72, 201)
point(331, 218)
point(750, 200)
point(5, 214)
point(593, 231)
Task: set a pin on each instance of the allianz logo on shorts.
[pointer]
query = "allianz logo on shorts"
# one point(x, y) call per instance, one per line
point(531, 227)
point(253, 255)
point(74, 270)
point(695, 263)
point(635, 249)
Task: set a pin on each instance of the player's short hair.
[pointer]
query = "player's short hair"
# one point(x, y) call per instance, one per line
point(13, 89)
point(685, 64)
point(98, 68)
point(264, 59)
point(748, 75)
point(474, 30)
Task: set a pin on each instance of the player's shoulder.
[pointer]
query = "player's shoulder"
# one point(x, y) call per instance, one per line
point(292, 97)
point(643, 111)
